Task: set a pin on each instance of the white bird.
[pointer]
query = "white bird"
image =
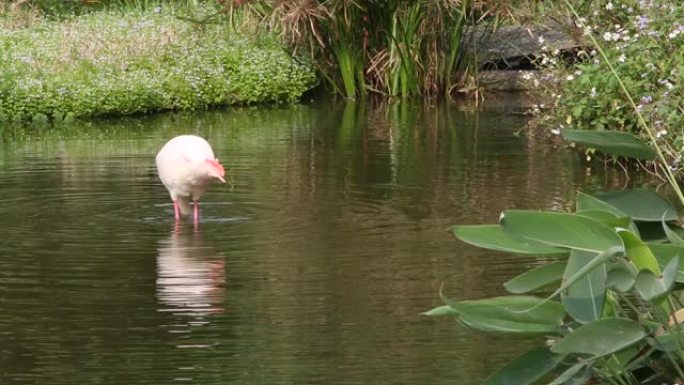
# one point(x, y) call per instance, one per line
point(186, 166)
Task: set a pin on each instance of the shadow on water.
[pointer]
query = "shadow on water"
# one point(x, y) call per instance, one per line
point(310, 265)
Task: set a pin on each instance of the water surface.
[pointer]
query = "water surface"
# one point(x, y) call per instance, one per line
point(309, 266)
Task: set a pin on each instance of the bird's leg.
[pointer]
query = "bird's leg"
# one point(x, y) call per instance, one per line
point(196, 212)
point(176, 210)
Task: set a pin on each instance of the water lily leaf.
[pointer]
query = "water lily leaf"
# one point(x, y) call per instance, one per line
point(577, 374)
point(611, 142)
point(561, 230)
point(620, 278)
point(639, 253)
point(665, 252)
point(493, 237)
point(536, 278)
point(651, 288)
point(512, 314)
point(526, 369)
point(602, 337)
point(640, 204)
point(584, 299)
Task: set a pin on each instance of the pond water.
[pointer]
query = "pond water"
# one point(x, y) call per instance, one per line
point(309, 266)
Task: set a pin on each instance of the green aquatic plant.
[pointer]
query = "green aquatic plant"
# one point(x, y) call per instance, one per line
point(608, 302)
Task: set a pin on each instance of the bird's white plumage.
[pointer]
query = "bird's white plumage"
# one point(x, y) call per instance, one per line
point(183, 168)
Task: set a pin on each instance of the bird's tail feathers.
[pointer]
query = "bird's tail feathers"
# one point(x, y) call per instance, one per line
point(184, 206)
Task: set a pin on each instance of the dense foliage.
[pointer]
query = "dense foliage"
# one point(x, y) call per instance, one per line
point(643, 40)
point(133, 62)
point(607, 298)
point(398, 47)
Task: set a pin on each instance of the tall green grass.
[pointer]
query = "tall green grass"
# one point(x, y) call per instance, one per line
point(400, 48)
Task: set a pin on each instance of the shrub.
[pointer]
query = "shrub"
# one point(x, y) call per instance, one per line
point(643, 40)
point(111, 63)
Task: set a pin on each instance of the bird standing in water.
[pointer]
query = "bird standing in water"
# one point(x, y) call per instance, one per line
point(186, 166)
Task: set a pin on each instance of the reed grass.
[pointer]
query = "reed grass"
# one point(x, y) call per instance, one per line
point(402, 48)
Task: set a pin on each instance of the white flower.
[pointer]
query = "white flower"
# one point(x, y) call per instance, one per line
point(570, 78)
point(541, 39)
point(622, 58)
point(593, 92)
point(609, 6)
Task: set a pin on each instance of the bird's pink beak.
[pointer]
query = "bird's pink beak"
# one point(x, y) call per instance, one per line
point(218, 169)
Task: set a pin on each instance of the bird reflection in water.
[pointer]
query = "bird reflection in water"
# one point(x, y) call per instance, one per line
point(190, 276)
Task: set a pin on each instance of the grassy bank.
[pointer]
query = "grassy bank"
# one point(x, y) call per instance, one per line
point(116, 62)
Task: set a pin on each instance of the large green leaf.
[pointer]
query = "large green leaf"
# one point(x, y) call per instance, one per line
point(669, 341)
point(526, 369)
point(620, 278)
point(584, 299)
point(577, 374)
point(535, 279)
point(640, 204)
point(440, 310)
point(639, 253)
point(511, 314)
point(561, 230)
point(608, 218)
point(672, 236)
point(664, 252)
point(651, 288)
point(501, 325)
point(602, 337)
point(611, 142)
point(588, 202)
point(493, 237)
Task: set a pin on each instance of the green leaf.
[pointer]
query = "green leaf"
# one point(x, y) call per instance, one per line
point(526, 369)
point(611, 142)
point(665, 252)
point(651, 288)
point(588, 202)
point(639, 253)
point(440, 310)
point(493, 237)
point(511, 314)
point(600, 338)
point(576, 374)
point(672, 236)
point(498, 325)
point(620, 278)
point(584, 270)
point(640, 204)
point(584, 299)
point(669, 342)
point(606, 217)
point(561, 230)
point(537, 278)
